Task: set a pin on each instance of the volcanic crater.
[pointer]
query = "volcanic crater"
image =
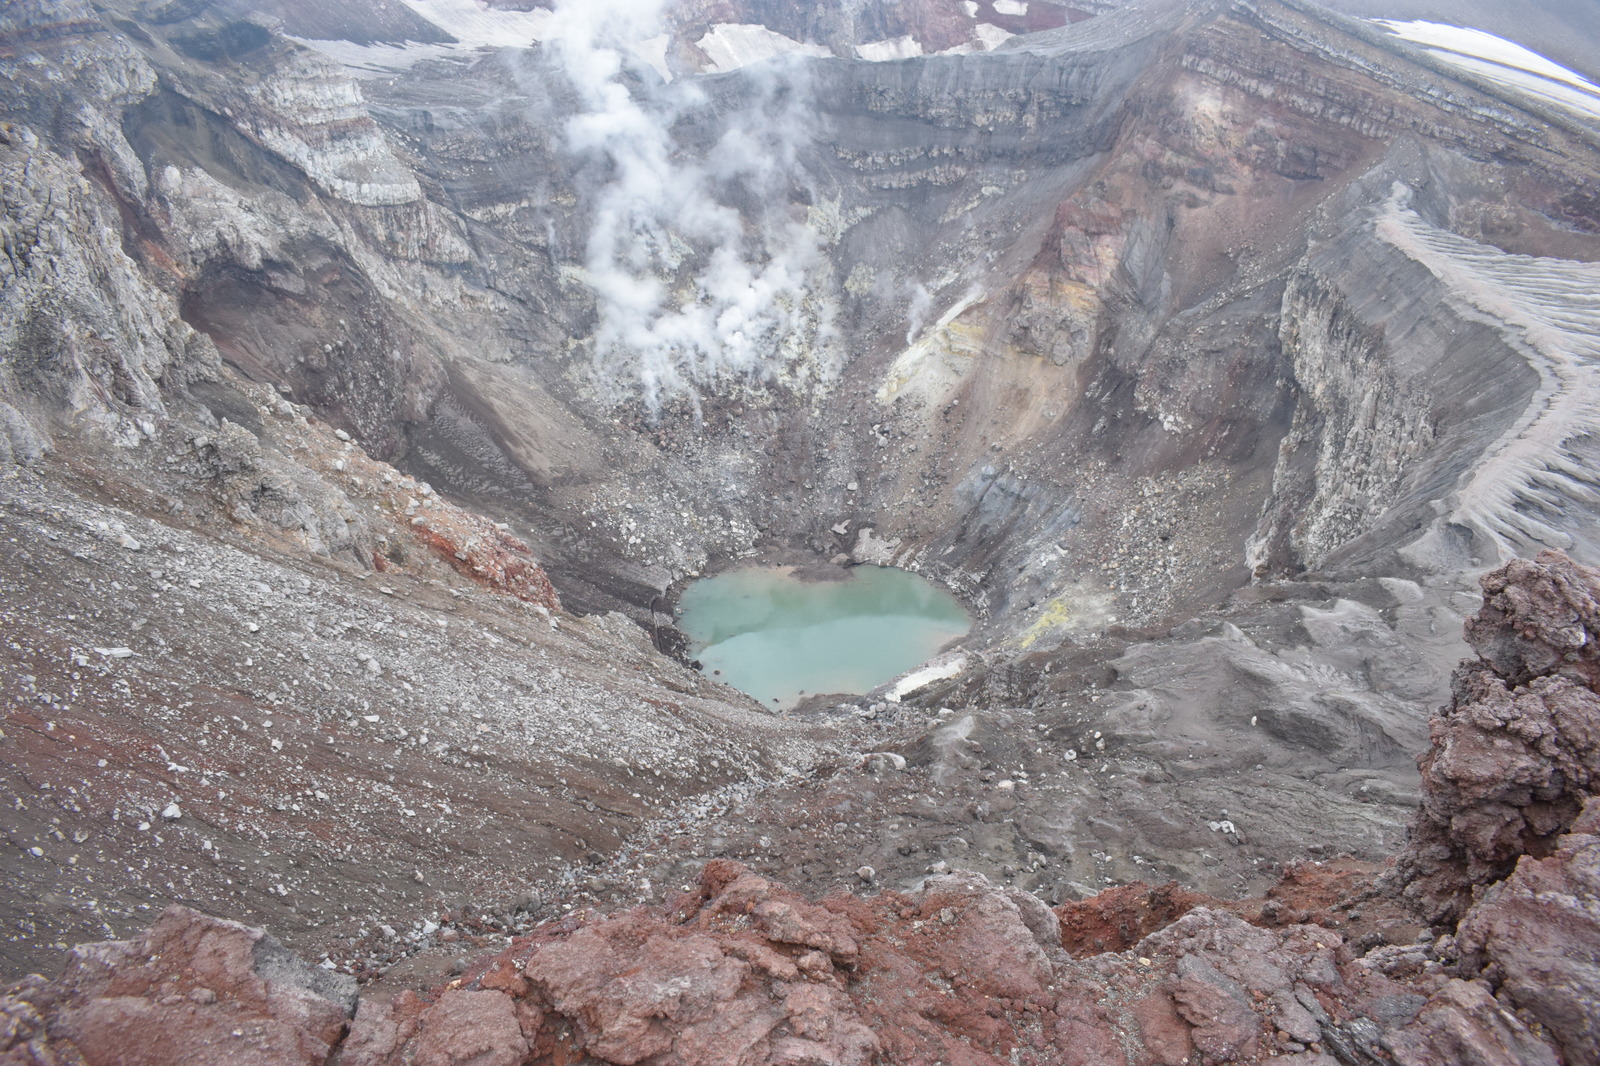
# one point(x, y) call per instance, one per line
point(371, 387)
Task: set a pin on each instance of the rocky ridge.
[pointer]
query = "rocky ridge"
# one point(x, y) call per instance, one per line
point(964, 971)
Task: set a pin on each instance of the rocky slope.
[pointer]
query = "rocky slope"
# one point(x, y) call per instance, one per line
point(742, 969)
point(1208, 351)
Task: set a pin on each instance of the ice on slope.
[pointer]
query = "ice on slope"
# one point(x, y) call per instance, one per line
point(1533, 488)
point(887, 51)
point(991, 36)
point(472, 23)
point(730, 46)
point(477, 25)
point(1503, 62)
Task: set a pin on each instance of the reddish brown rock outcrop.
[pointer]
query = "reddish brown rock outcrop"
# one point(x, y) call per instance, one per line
point(961, 972)
point(488, 555)
point(1120, 917)
point(1517, 751)
point(1538, 618)
point(1536, 938)
point(194, 989)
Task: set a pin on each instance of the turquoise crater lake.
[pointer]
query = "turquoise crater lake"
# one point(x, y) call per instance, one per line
point(778, 637)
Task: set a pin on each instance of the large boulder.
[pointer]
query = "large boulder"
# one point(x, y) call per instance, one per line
point(193, 989)
point(1517, 751)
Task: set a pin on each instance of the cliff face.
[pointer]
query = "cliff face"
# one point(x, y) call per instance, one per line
point(960, 970)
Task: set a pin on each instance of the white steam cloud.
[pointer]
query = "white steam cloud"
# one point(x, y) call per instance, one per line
point(692, 296)
point(917, 311)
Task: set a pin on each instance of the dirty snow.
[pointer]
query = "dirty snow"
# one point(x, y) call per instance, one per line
point(477, 25)
point(992, 36)
point(730, 46)
point(472, 23)
point(654, 52)
point(1503, 62)
point(937, 671)
point(883, 51)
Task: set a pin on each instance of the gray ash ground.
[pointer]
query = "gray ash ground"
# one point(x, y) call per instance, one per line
point(311, 747)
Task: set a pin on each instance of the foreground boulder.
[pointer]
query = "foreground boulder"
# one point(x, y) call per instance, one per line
point(194, 989)
point(1517, 752)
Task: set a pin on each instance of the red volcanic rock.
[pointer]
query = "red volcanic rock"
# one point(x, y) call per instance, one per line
point(989, 940)
point(487, 555)
point(1464, 1024)
point(747, 973)
point(780, 915)
point(1120, 917)
point(1537, 934)
point(460, 1027)
point(668, 989)
point(1518, 749)
point(749, 978)
point(1539, 618)
point(194, 989)
point(476, 1028)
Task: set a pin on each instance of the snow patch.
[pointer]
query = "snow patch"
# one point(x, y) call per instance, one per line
point(1502, 62)
point(1483, 45)
point(381, 60)
point(971, 7)
point(730, 46)
point(477, 25)
point(472, 23)
point(884, 51)
point(1010, 7)
point(654, 52)
point(938, 671)
point(992, 36)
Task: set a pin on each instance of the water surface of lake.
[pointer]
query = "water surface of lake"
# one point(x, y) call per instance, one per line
point(778, 637)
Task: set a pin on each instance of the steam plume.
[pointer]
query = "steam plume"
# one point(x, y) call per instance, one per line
point(693, 297)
